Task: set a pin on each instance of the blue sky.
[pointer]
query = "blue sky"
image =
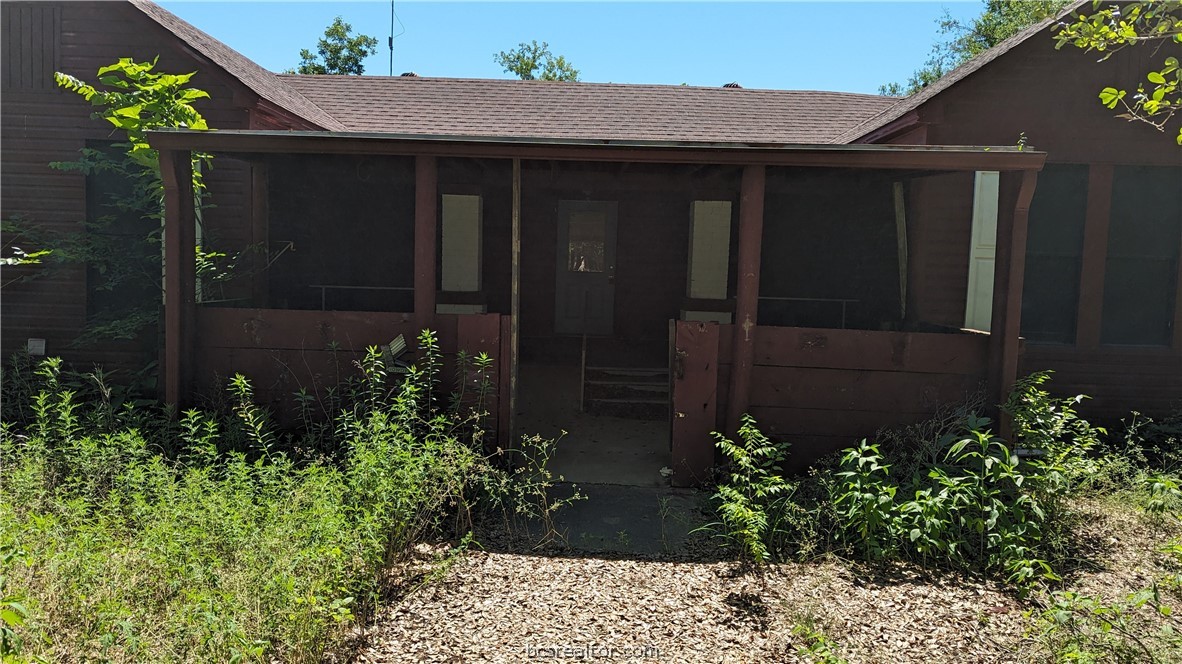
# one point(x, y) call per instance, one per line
point(848, 46)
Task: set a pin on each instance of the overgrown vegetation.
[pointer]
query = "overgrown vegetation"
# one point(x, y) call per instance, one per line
point(127, 535)
point(951, 494)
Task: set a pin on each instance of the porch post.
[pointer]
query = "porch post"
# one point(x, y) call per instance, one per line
point(514, 304)
point(747, 292)
point(180, 266)
point(1006, 323)
point(1095, 256)
point(426, 195)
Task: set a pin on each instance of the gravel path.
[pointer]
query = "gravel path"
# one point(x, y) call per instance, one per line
point(512, 607)
point(500, 607)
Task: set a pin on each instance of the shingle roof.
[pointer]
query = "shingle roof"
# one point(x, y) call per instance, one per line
point(908, 104)
point(593, 111)
point(260, 81)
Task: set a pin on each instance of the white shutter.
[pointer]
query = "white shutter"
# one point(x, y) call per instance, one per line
point(710, 246)
point(461, 243)
point(982, 253)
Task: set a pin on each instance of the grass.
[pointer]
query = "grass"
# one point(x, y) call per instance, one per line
point(126, 537)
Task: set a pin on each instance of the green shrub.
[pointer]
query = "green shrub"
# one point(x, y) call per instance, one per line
point(205, 539)
point(753, 505)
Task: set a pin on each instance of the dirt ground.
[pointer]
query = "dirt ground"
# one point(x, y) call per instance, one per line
point(504, 606)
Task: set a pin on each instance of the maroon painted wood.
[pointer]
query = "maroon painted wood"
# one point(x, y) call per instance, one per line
point(747, 291)
point(426, 212)
point(954, 158)
point(914, 352)
point(1026, 183)
point(856, 390)
point(504, 402)
point(695, 386)
point(180, 238)
point(292, 329)
point(1095, 256)
point(260, 233)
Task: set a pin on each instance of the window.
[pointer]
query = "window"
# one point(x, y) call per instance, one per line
point(710, 245)
point(460, 260)
point(123, 272)
point(1141, 274)
point(1054, 249)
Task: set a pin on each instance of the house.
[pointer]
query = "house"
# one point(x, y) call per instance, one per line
point(830, 263)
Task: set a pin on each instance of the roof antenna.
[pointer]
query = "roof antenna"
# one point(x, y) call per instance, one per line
point(391, 40)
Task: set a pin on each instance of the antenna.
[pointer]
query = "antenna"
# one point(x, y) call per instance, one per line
point(391, 41)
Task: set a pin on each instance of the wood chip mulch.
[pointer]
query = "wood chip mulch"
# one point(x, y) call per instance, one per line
point(517, 607)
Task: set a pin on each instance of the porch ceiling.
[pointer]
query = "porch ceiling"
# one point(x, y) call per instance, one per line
point(942, 158)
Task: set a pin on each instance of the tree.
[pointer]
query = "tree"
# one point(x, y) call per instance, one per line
point(1111, 29)
point(526, 60)
point(999, 20)
point(127, 262)
point(338, 52)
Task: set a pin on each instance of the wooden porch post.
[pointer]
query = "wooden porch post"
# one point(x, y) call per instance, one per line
point(1095, 256)
point(514, 303)
point(747, 292)
point(260, 229)
point(1017, 189)
point(426, 196)
point(180, 266)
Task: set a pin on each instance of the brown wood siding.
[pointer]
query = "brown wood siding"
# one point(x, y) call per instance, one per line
point(1051, 97)
point(824, 389)
point(284, 351)
point(939, 232)
point(40, 123)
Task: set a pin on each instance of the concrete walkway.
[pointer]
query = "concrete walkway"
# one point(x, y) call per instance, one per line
point(633, 520)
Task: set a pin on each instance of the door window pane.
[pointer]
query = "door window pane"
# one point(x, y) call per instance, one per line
point(585, 247)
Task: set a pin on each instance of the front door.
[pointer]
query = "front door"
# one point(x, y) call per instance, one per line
point(586, 268)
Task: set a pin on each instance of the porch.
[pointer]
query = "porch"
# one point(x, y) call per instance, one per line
point(672, 287)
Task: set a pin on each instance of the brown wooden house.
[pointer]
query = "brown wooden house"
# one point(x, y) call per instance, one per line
point(830, 263)
point(1102, 304)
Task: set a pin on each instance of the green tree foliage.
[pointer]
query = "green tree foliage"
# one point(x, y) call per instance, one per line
point(338, 52)
point(999, 20)
point(534, 61)
point(136, 99)
point(1110, 29)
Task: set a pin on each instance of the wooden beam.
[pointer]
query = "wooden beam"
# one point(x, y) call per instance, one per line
point(426, 212)
point(694, 379)
point(747, 291)
point(1017, 190)
point(1094, 258)
point(949, 158)
point(180, 279)
point(260, 230)
point(901, 237)
point(514, 304)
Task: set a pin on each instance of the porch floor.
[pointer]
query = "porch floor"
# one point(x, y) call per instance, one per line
point(596, 449)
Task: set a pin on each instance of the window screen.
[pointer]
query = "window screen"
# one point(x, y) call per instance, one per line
point(1141, 274)
point(1054, 249)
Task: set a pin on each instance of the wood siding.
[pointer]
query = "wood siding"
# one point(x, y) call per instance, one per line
point(283, 352)
point(1050, 97)
point(824, 389)
point(41, 123)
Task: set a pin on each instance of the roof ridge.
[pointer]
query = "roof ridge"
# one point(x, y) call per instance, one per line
point(266, 84)
point(962, 71)
point(410, 80)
